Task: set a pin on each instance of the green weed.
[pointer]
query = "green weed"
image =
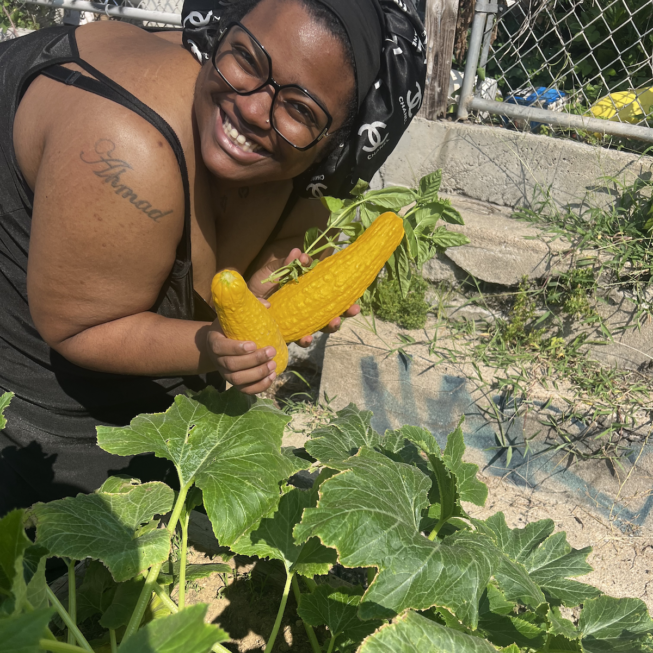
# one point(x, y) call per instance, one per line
point(387, 303)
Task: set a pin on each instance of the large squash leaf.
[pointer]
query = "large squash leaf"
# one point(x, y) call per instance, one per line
point(536, 564)
point(609, 625)
point(274, 538)
point(184, 632)
point(371, 515)
point(412, 632)
point(106, 526)
point(229, 444)
point(337, 609)
point(21, 633)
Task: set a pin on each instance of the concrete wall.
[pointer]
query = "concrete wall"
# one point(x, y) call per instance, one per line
point(508, 167)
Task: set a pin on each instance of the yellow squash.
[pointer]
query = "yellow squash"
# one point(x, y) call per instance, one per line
point(331, 287)
point(243, 317)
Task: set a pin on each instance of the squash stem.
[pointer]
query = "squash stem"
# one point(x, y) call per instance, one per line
point(72, 600)
point(65, 617)
point(332, 643)
point(112, 639)
point(59, 647)
point(310, 633)
point(153, 575)
point(282, 607)
point(182, 559)
point(165, 598)
point(436, 529)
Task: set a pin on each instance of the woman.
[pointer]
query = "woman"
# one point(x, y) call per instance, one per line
point(131, 175)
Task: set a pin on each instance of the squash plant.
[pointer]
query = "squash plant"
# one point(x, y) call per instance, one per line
point(437, 579)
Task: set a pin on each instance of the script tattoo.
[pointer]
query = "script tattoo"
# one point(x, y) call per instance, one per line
point(110, 169)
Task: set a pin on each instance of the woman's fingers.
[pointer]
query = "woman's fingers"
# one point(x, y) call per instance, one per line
point(297, 254)
point(249, 369)
point(306, 341)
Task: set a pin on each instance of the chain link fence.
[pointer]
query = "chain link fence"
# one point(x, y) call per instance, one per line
point(587, 58)
point(19, 16)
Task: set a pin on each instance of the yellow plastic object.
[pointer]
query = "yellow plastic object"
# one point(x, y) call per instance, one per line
point(243, 317)
point(624, 106)
point(333, 285)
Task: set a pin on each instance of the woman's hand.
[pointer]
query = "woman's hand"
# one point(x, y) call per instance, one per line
point(272, 265)
point(249, 369)
point(333, 326)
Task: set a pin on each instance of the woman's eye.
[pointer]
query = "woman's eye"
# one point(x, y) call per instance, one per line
point(303, 112)
point(246, 59)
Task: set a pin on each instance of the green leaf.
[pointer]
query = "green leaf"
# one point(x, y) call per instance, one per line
point(104, 526)
point(443, 238)
point(371, 515)
point(332, 203)
point(469, 487)
point(411, 632)
point(310, 237)
point(558, 625)
point(609, 625)
point(184, 632)
point(13, 543)
point(451, 215)
point(21, 633)
point(392, 198)
point(343, 436)
point(228, 443)
point(360, 187)
point(34, 572)
point(429, 185)
point(369, 212)
point(337, 608)
point(5, 399)
point(274, 538)
point(123, 604)
point(411, 241)
point(403, 270)
point(426, 217)
point(96, 592)
point(194, 572)
point(536, 561)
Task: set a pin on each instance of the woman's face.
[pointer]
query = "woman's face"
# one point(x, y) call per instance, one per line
point(304, 53)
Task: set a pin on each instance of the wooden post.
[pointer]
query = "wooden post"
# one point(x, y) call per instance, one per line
point(441, 18)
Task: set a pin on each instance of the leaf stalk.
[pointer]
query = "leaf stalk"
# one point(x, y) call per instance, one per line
point(65, 617)
point(153, 575)
point(182, 559)
point(332, 643)
point(310, 633)
point(112, 639)
point(72, 600)
point(59, 647)
point(282, 607)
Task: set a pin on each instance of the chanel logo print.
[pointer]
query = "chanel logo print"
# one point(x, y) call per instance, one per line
point(373, 135)
point(414, 101)
point(316, 189)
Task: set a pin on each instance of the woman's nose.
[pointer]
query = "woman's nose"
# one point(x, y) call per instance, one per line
point(255, 109)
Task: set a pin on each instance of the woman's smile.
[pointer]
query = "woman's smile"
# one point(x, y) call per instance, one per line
point(241, 147)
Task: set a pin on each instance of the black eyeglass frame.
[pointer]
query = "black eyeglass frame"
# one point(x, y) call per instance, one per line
point(270, 81)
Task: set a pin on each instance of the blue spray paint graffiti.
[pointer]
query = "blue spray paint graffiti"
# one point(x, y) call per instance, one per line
point(440, 416)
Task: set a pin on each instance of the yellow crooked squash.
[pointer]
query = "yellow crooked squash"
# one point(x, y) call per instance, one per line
point(243, 317)
point(333, 285)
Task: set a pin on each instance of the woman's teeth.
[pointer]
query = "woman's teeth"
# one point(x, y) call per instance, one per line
point(238, 138)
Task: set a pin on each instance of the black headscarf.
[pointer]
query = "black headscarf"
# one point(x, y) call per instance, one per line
point(388, 41)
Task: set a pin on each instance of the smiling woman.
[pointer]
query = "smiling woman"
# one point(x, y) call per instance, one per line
point(130, 175)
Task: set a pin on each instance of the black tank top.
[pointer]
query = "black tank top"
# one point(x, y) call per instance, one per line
point(48, 449)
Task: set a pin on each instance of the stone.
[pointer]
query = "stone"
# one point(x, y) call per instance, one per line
point(502, 249)
point(510, 168)
point(440, 269)
point(312, 356)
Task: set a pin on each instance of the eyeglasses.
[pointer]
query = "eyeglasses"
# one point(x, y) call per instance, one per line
point(243, 63)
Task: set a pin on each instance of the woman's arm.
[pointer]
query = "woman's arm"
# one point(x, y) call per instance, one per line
point(108, 214)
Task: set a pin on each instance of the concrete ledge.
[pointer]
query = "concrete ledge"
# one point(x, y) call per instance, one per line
point(508, 167)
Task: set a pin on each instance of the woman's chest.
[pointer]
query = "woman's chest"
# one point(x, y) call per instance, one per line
point(230, 225)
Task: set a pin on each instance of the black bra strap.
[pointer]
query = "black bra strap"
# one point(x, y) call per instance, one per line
point(105, 87)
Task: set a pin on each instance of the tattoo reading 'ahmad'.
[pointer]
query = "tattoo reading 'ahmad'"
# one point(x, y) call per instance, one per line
point(110, 169)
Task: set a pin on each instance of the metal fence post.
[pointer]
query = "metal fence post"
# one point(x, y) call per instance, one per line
point(482, 11)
